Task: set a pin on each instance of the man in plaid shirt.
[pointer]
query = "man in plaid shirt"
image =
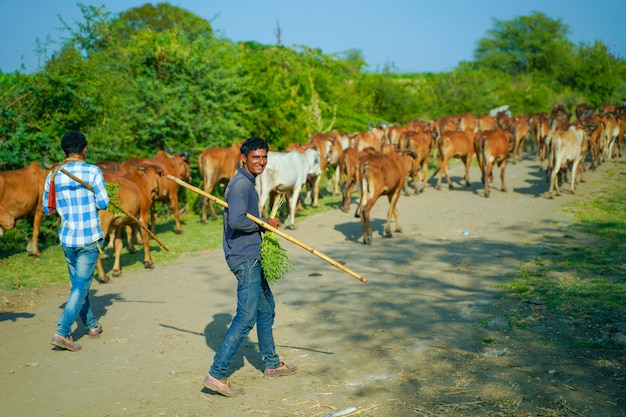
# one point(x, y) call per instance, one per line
point(80, 233)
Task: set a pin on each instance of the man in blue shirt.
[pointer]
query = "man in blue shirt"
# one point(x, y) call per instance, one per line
point(80, 233)
point(242, 248)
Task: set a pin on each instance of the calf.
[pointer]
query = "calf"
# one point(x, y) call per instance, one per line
point(21, 192)
point(217, 165)
point(380, 174)
point(492, 148)
point(287, 173)
point(455, 145)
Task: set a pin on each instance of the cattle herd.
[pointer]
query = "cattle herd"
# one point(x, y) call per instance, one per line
point(383, 160)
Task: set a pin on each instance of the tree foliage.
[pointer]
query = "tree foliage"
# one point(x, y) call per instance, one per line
point(525, 45)
point(157, 77)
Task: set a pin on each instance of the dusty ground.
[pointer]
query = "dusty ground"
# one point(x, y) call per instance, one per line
point(411, 341)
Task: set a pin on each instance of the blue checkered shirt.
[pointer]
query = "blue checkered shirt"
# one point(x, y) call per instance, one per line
point(77, 206)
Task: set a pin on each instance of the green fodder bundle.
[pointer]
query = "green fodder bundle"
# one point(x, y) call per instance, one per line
point(274, 259)
point(113, 190)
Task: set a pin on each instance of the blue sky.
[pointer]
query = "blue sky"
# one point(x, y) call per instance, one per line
point(411, 35)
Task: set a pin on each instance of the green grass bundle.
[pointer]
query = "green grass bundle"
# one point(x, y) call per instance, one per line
point(113, 190)
point(274, 259)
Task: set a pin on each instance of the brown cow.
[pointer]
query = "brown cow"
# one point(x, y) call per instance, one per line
point(176, 165)
point(455, 145)
point(364, 140)
point(448, 124)
point(21, 192)
point(584, 109)
point(394, 136)
point(492, 148)
point(348, 168)
point(340, 142)
point(521, 132)
point(217, 166)
point(485, 122)
point(559, 117)
point(567, 150)
point(137, 189)
point(381, 174)
point(421, 143)
point(322, 142)
point(594, 127)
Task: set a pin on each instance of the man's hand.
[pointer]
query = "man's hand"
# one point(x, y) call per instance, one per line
point(273, 222)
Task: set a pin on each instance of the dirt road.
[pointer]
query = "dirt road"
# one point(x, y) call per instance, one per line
point(409, 342)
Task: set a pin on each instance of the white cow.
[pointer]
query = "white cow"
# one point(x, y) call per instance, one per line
point(287, 172)
point(568, 148)
point(505, 108)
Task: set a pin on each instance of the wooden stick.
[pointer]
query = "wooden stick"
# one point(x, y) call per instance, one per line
point(270, 228)
point(117, 206)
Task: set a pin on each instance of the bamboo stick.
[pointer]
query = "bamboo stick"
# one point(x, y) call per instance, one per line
point(117, 206)
point(272, 229)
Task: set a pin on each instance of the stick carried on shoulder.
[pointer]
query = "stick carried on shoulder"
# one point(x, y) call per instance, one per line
point(117, 206)
point(270, 228)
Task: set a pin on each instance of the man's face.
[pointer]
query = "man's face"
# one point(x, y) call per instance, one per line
point(255, 162)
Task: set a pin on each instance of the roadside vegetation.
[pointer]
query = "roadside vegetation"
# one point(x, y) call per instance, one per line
point(157, 77)
point(581, 274)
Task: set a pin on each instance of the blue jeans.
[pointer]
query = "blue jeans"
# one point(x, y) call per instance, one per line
point(255, 304)
point(81, 263)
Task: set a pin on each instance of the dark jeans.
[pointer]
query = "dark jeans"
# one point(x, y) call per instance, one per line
point(255, 305)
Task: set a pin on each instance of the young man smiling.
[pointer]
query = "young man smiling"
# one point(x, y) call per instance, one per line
point(242, 248)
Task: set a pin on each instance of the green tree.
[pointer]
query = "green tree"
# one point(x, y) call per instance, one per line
point(526, 44)
point(596, 72)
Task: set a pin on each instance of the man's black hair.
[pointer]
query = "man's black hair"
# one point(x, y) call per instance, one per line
point(252, 144)
point(73, 142)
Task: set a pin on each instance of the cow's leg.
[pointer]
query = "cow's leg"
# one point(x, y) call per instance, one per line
point(554, 187)
point(366, 224)
point(425, 174)
point(393, 200)
point(347, 195)
point(117, 266)
point(36, 227)
point(292, 196)
point(176, 209)
point(208, 188)
point(468, 162)
point(130, 242)
point(502, 169)
point(102, 276)
point(440, 169)
point(147, 259)
point(574, 171)
point(486, 173)
point(152, 223)
point(316, 190)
